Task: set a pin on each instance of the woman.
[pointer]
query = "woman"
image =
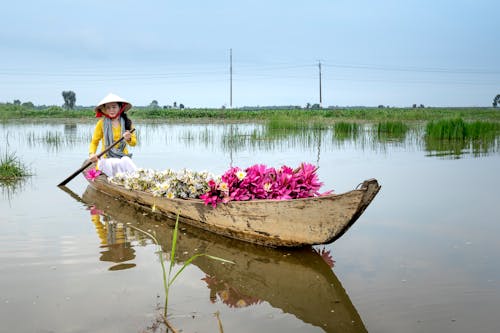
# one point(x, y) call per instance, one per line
point(110, 128)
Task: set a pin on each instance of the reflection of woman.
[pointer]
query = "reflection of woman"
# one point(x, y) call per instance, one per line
point(113, 238)
point(110, 128)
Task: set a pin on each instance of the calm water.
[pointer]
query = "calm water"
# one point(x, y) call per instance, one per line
point(422, 258)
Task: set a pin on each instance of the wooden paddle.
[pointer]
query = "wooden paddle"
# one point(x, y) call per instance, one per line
point(88, 163)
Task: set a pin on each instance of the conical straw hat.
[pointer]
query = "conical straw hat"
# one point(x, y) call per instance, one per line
point(111, 98)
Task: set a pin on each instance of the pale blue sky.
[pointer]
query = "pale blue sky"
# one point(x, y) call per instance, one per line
point(390, 52)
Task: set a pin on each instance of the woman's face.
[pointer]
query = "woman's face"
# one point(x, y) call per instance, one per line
point(111, 109)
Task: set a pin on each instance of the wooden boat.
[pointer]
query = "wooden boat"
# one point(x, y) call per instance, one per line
point(275, 223)
point(299, 281)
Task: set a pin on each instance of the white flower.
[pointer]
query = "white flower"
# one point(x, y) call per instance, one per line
point(223, 187)
point(241, 174)
point(167, 183)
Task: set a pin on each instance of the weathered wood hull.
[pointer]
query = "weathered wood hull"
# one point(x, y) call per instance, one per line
point(275, 223)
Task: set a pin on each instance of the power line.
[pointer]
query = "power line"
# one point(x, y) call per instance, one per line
point(242, 67)
point(416, 69)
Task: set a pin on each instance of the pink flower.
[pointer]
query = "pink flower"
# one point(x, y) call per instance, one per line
point(260, 182)
point(95, 211)
point(213, 196)
point(92, 174)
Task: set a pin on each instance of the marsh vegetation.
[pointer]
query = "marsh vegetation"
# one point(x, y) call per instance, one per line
point(12, 169)
point(326, 115)
point(13, 173)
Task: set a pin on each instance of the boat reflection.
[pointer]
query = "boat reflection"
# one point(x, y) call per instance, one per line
point(299, 281)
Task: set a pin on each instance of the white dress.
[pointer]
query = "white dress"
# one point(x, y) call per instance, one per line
point(112, 166)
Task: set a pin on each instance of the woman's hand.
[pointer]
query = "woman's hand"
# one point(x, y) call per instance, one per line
point(93, 158)
point(127, 136)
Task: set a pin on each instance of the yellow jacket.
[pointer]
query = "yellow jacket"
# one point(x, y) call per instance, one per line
point(99, 136)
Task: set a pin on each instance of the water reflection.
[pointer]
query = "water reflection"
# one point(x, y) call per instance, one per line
point(113, 235)
point(70, 129)
point(391, 137)
point(458, 148)
point(114, 241)
point(10, 188)
point(299, 282)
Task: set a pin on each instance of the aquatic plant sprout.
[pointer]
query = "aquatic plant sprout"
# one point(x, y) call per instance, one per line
point(255, 182)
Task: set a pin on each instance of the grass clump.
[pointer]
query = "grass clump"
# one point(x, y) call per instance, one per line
point(11, 168)
point(458, 129)
point(392, 128)
point(455, 136)
point(345, 127)
point(346, 130)
point(480, 130)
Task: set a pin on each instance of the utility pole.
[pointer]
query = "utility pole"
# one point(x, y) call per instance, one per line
point(320, 97)
point(231, 78)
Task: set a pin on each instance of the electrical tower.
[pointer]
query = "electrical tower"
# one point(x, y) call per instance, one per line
point(320, 97)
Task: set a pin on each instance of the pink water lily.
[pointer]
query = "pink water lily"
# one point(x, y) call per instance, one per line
point(261, 182)
point(92, 174)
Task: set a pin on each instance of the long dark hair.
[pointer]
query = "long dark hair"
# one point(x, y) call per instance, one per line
point(128, 122)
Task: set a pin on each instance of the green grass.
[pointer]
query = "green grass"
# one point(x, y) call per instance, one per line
point(12, 169)
point(458, 129)
point(483, 130)
point(328, 116)
point(346, 130)
point(324, 116)
point(321, 117)
point(391, 130)
point(9, 111)
point(456, 136)
point(397, 128)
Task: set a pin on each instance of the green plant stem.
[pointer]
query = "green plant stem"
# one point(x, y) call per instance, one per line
point(167, 280)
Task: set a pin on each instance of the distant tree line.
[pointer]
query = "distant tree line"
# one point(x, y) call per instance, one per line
point(25, 104)
point(69, 98)
point(155, 105)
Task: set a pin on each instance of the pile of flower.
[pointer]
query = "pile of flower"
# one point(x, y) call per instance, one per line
point(255, 182)
point(261, 182)
point(168, 183)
